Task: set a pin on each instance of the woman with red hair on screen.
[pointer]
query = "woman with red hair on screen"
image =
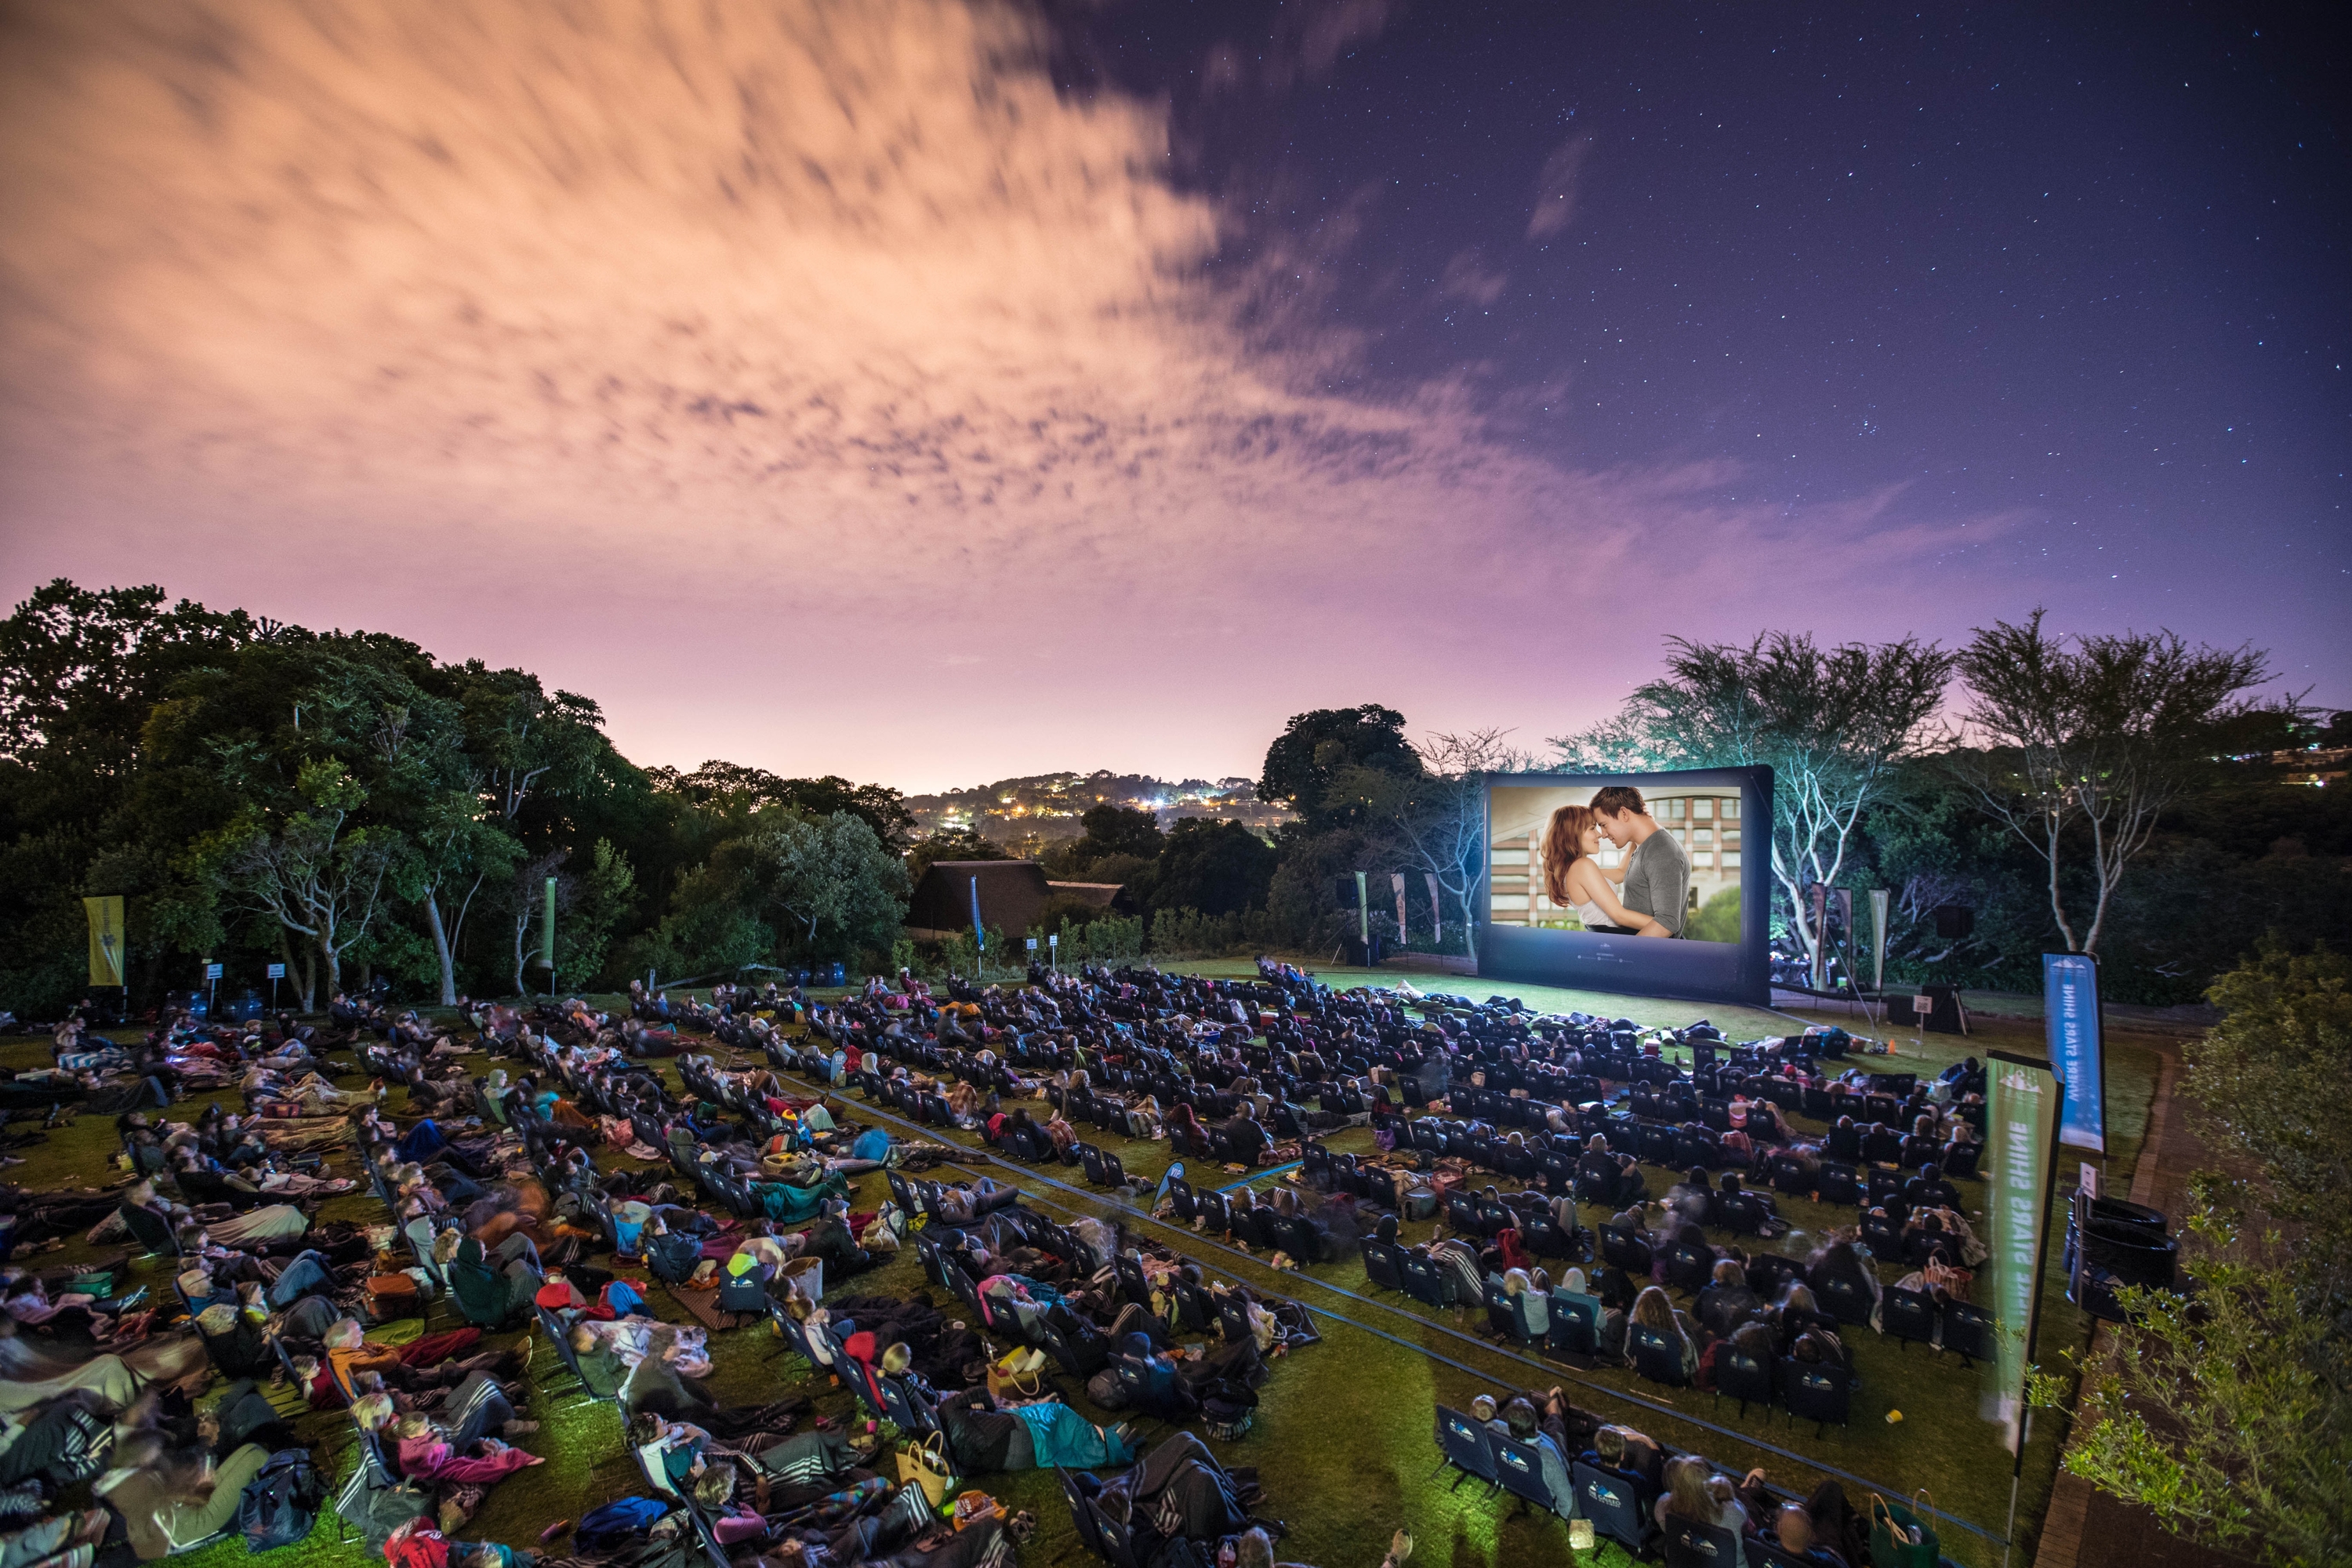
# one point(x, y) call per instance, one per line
point(1574, 879)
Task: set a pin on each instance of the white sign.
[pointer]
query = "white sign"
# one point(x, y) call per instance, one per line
point(276, 972)
point(1033, 945)
point(2090, 1180)
point(1055, 940)
point(1923, 1005)
point(211, 970)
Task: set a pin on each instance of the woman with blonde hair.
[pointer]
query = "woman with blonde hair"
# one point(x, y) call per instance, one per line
point(1653, 1309)
point(1574, 879)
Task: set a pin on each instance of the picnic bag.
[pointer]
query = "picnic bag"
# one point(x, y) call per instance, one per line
point(925, 1464)
point(1900, 1535)
point(391, 1297)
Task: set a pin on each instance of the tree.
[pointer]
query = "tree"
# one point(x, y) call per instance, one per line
point(962, 844)
point(880, 807)
point(1216, 867)
point(2093, 742)
point(315, 875)
point(1314, 748)
point(1832, 724)
point(2214, 1413)
point(836, 881)
point(2228, 1411)
point(1435, 819)
point(2270, 1083)
point(1118, 830)
point(79, 668)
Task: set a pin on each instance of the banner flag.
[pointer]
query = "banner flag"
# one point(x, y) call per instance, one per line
point(1820, 902)
point(1846, 927)
point(547, 931)
point(1396, 882)
point(2021, 1128)
point(106, 939)
point(1364, 910)
point(1878, 900)
point(2078, 1047)
point(1436, 911)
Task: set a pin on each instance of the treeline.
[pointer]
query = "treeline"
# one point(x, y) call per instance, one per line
point(346, 805)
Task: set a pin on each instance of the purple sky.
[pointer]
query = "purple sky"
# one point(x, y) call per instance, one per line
point(933, 392)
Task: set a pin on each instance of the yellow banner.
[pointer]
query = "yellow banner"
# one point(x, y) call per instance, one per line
point(106, 939)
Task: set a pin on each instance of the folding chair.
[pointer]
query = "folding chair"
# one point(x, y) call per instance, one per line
point(1381, 1263)
point(1082, 1518)
point(1690, 1544)
point(1461, 1213)
point(1613, 1505)
point(1502, 1316)
point(1838, 1183)
point(1847, 1301)
point(1657, 1356)
point(1625, 1248)
point(1815, 1392)
point(1907, 1316)
point(1467, 1447)
point(1572, 1328)
point(1422, 1282)
point(1967, 1330)
point(1519, 1467)
point(1744, 1377)
point(1690, 1269)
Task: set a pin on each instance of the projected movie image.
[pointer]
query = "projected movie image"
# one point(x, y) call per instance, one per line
point(1630, 882)
point(1618, 860)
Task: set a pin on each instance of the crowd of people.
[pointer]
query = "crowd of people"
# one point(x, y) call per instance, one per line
point(539, 1169)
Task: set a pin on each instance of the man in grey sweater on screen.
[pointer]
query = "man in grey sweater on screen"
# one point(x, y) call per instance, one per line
point(1657, 871)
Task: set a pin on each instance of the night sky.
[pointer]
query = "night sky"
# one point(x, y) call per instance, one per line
point(933, 393)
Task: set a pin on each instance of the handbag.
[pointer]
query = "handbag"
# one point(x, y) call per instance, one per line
point(393, 1295)
point(925, 1464)
point(1900, 1535)
point(1007, 1381)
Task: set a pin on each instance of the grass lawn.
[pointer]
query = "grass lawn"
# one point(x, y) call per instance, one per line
point(1342, 1441)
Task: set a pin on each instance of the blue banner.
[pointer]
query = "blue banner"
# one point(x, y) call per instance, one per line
point(2070, 1007)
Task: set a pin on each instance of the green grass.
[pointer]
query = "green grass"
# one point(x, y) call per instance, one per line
point(1342, 1439)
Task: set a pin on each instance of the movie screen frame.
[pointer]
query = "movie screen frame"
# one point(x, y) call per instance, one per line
point(1737, 971)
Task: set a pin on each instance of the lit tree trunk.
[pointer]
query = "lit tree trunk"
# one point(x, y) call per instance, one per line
point(441, 951)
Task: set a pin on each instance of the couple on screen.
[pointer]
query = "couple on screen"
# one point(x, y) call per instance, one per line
point(1655, 875)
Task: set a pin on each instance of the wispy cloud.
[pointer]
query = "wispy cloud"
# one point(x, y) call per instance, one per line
point(1554, 206)
point(1465, 280)
point(831, 320)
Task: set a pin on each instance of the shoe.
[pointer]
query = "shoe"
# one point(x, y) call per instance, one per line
point(519, 1428)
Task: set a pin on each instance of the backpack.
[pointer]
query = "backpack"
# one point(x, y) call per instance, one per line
point(375, 1504)
point(281, 1504)
point(673, 1257)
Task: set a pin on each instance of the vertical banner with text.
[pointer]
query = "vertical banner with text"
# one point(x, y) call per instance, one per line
point(2021, 1130)
point(2078, 1047)
point(106, 947)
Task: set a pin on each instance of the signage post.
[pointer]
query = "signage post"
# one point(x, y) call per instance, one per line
point(2021, 1141)
point(277, 974)
point(2070, 1006)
